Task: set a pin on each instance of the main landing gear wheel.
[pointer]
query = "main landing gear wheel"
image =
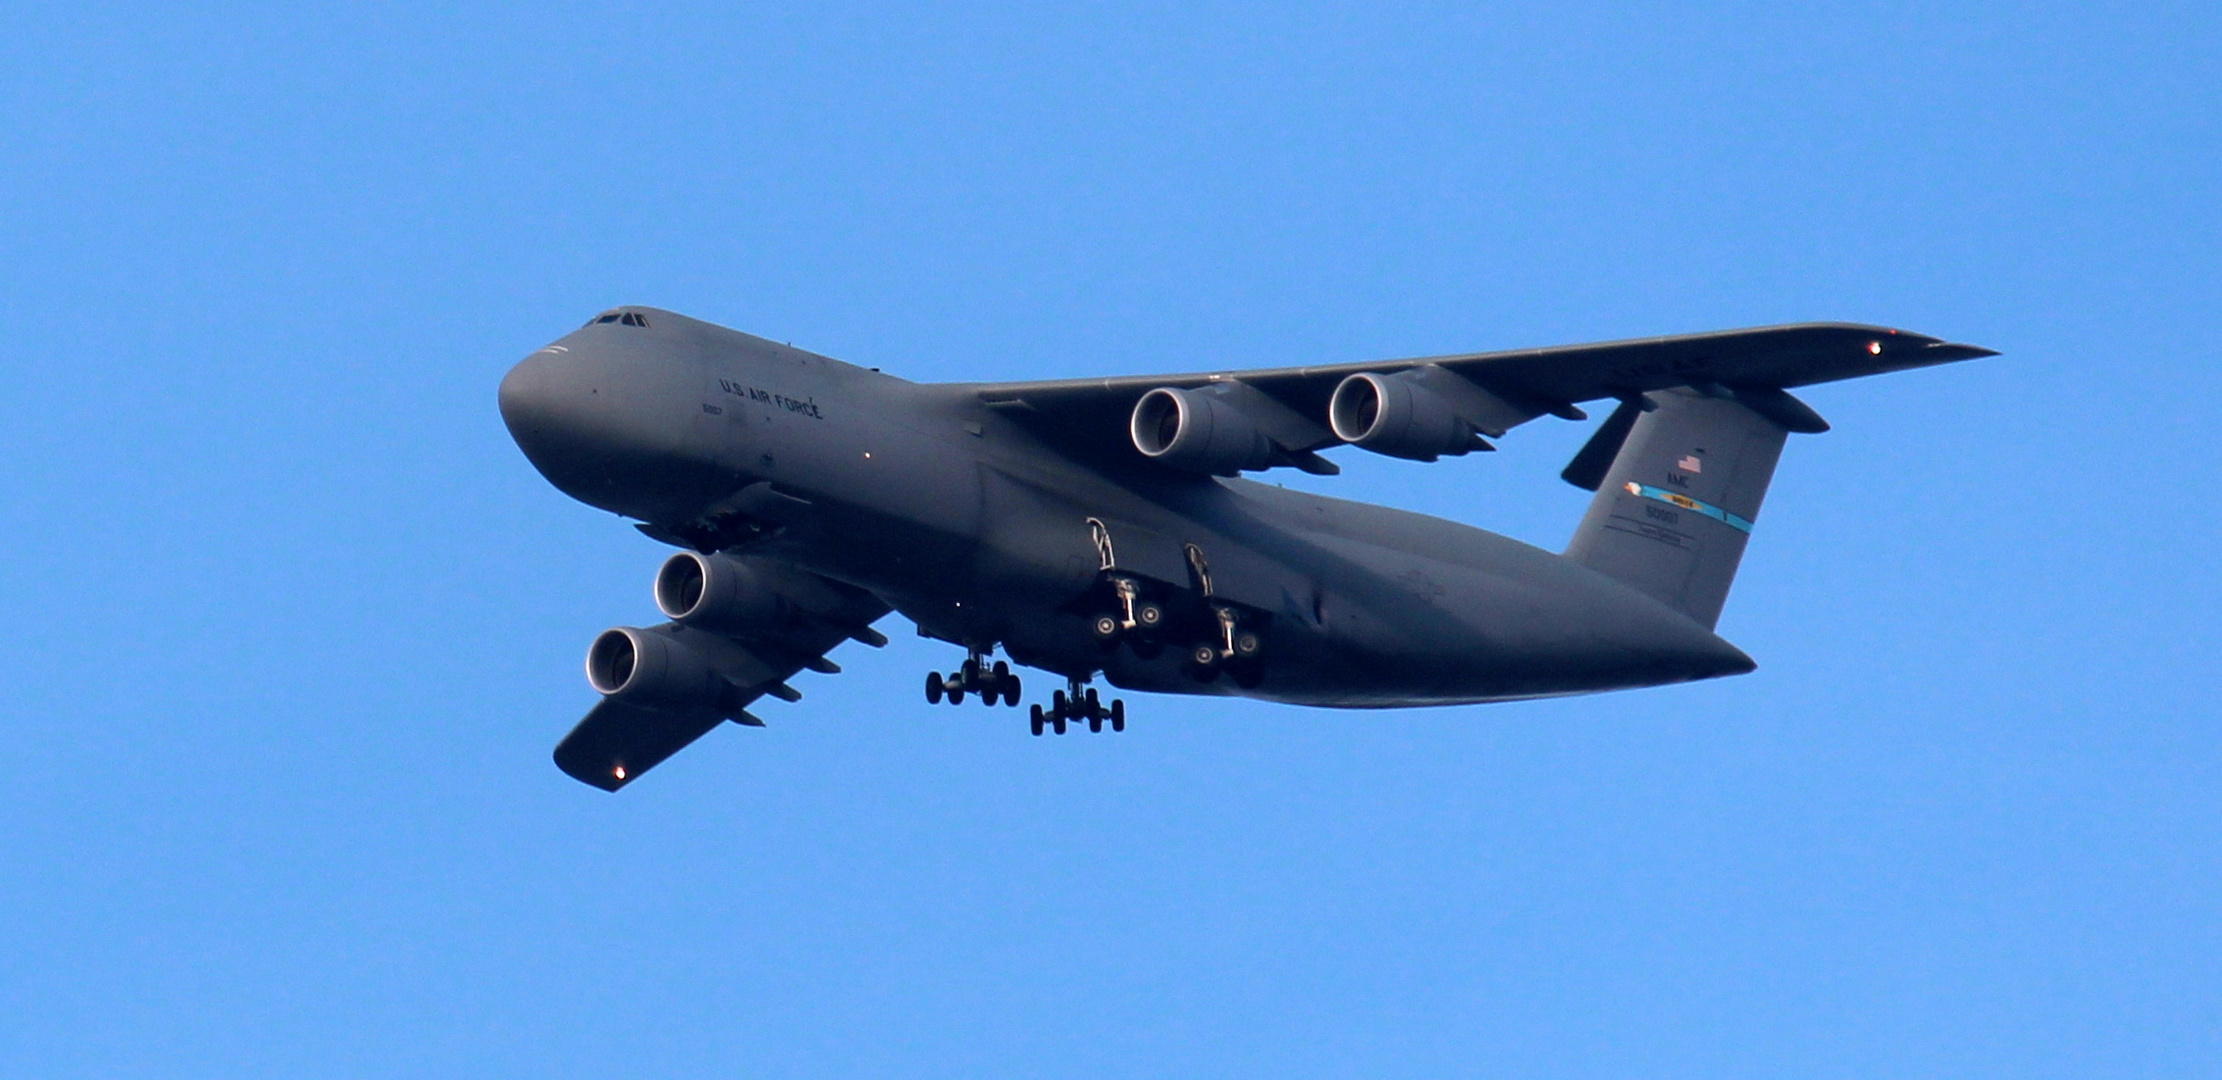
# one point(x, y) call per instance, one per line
point(1077, 704)
point(993, 684)
point(1132, 617)
point(1202, 663)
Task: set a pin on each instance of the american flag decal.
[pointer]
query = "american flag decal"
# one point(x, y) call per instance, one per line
point(1690, 464)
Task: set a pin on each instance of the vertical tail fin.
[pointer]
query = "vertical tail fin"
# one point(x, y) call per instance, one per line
point(1675, 509)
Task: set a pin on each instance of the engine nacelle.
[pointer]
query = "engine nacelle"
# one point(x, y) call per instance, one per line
point(718, 592)
point(651, 669)
point(1200, 432)
point(1395, 415)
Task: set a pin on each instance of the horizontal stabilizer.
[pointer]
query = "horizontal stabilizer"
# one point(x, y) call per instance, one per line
point(1594, 459)
point(1780, 406)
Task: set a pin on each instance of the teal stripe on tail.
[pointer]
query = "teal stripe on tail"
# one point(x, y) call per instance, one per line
point(1673, 513)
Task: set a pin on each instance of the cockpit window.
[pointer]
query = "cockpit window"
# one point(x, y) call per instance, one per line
point(607, 318)
point(628, 318)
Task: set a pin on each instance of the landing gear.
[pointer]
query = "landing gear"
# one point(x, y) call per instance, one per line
point(1134, 615)
point(1078, 704)
point(1231, 648)
point(992, 684)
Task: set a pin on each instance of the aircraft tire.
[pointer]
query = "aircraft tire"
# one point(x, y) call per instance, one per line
point(1011, 691)
point(934, 688)
point(1118, 714)
point(1037, 721)
point(1148, 616)
point(1203, 662)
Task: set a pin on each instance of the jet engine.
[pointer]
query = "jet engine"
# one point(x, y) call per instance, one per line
point(650, 668)
point(1197, 431)
point(717, 592)
point(1397, 416)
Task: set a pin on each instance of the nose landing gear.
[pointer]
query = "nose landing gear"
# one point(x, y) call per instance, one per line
point(1066, 706)
point(992, 684)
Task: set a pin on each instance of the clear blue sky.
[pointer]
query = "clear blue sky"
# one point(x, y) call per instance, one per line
point(290, 627)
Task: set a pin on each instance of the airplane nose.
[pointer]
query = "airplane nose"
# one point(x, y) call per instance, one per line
point(539, 406)
point(528, 396)
point(604, 430)
point(557, 411)
point(519, 391)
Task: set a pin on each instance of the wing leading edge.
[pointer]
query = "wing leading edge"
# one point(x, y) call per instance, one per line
point(1496, 391)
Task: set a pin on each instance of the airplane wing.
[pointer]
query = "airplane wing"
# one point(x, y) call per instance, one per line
point(1495, 391)
point(619, 740)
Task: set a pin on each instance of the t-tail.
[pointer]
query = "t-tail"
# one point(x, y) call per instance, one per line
point(1680, 472)
point(1680, 475)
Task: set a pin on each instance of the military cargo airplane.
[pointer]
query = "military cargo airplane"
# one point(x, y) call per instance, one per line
point(1103, 527)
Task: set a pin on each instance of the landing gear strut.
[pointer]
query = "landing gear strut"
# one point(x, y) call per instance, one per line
point(1133, 615)
point(1232, 648)
point(1074, 704)
point(992, 684)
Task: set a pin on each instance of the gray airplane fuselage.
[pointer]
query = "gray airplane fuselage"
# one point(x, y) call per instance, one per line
point(965, 521)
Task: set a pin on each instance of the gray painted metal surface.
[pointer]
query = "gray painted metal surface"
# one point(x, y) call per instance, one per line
point(1027, 517)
